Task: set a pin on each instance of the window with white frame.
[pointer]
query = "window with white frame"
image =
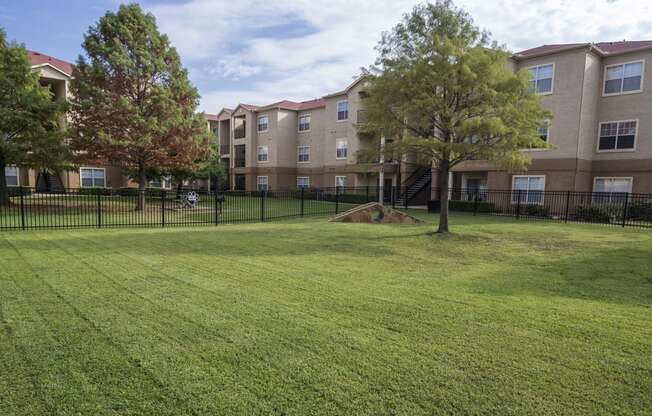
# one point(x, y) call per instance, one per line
point(304, 122)
point(303, 153)
point(611, 190)
point(263, 123)
point(340, 182)
point(342, 110)
point(263, 153)
point(303, 182)
point(544, 131)
point(541, 81)
point(341, 149)
point(262, 183)
point(617, 135)
point(11, 174)
point(161, 183)
point(92, 177)
point(528, 189)
point(623, 78)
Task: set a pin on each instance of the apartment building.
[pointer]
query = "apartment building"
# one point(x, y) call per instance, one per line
point(56, 75)
point(601, 97)
point(300, 144)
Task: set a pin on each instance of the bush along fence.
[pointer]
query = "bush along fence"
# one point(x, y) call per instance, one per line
point(100, 207)
point(615, 208)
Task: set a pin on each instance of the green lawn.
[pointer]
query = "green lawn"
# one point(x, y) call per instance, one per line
point(309, 317)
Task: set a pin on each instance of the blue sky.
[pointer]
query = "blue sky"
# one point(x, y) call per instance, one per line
point(260, 51)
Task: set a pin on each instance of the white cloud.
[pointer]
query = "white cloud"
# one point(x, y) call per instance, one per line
point(234, 42)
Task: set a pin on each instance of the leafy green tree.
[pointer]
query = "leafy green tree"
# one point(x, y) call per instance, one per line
point(209, 166)
point(31, 122)
point(448, 96)
point(133, 105)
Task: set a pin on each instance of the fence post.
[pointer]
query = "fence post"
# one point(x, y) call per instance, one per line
point(475, 203)
point(406, 195)
point(518, 204)
point(99, 210)
point(162, 208)
point(367, 197)
point(568, 194)
point(215, 202)
point(625, 209)
point(262, 205)
point(22, 207)
point(393, 196)
point(337, 200)
point(302, 199)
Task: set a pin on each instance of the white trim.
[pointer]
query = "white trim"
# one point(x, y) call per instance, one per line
point(81, 181)
point(543, 192)
point(258, 124)
point(347, 149)
point(337, 111)
point(299, 123)
point(345, 181)
point(604, 78)
point(17, 175)
point(258, 178)
point(69, 76)
point(633, 149)
point(552, 82)
point(299, 147)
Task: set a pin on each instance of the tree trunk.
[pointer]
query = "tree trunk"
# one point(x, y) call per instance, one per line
point(142, 181)
point(4, 192)
point(443, 196)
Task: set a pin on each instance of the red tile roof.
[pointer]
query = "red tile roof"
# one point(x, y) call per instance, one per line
point(607, 48)
point(37, 58)
point(210, 117)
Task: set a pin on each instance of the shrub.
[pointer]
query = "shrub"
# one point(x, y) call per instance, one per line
point(641, 211)
point(471, 206)
point(599, 214)
point(534, 210)
point(94, 191)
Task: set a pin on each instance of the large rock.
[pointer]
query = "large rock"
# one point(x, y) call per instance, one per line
point(375, 213)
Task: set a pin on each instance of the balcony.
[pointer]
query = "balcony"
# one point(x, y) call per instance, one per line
point(239, 163)
point(239, 133)
point(361, 116)
point(225, 150)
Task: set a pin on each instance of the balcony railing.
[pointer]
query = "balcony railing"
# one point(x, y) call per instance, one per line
point(239, 163)
point(225, 149)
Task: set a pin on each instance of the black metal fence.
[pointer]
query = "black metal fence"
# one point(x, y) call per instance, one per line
point(615, 208)
point(94, 207)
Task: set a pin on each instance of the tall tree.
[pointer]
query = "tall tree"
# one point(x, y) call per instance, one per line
point(31, 122)
point(449, 96)
point(133, 105)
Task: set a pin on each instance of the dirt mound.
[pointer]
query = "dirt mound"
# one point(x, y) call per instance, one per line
point(375, 213)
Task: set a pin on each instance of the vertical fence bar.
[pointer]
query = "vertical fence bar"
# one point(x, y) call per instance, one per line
point(568, 195)
point(22, 208)
point(215, 203)
point(302, 200)
point(337, 200)
point(475, 203)
point(367, 195)
point(406, 196)
point(626, 203)
point(99, 210)
point(393, 197)
point(262, 206)
point(518, 204)
point(162, 208)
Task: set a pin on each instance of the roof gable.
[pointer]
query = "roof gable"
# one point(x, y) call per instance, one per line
point(37, 59)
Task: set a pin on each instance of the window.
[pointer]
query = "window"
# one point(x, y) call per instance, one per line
point(92, 177)
point(303, 154)
point(304, 122)
point(541, 81)
point(611, 190)
point(529, 189)
point(341, 149)
point(544, 131)
point(216, 132)
point(11, 173)
point(303, 182)
point(263, 153)
point(340, 182)
point(263, 123)
point(164, 183)
point(617, 136)
point(623, 78)
point(262, 183)
point(342, 110)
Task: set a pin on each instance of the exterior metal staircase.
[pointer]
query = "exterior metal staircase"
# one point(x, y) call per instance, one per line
point(418, 181)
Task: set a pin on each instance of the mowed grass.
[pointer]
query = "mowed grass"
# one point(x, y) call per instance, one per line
point(310, 317)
